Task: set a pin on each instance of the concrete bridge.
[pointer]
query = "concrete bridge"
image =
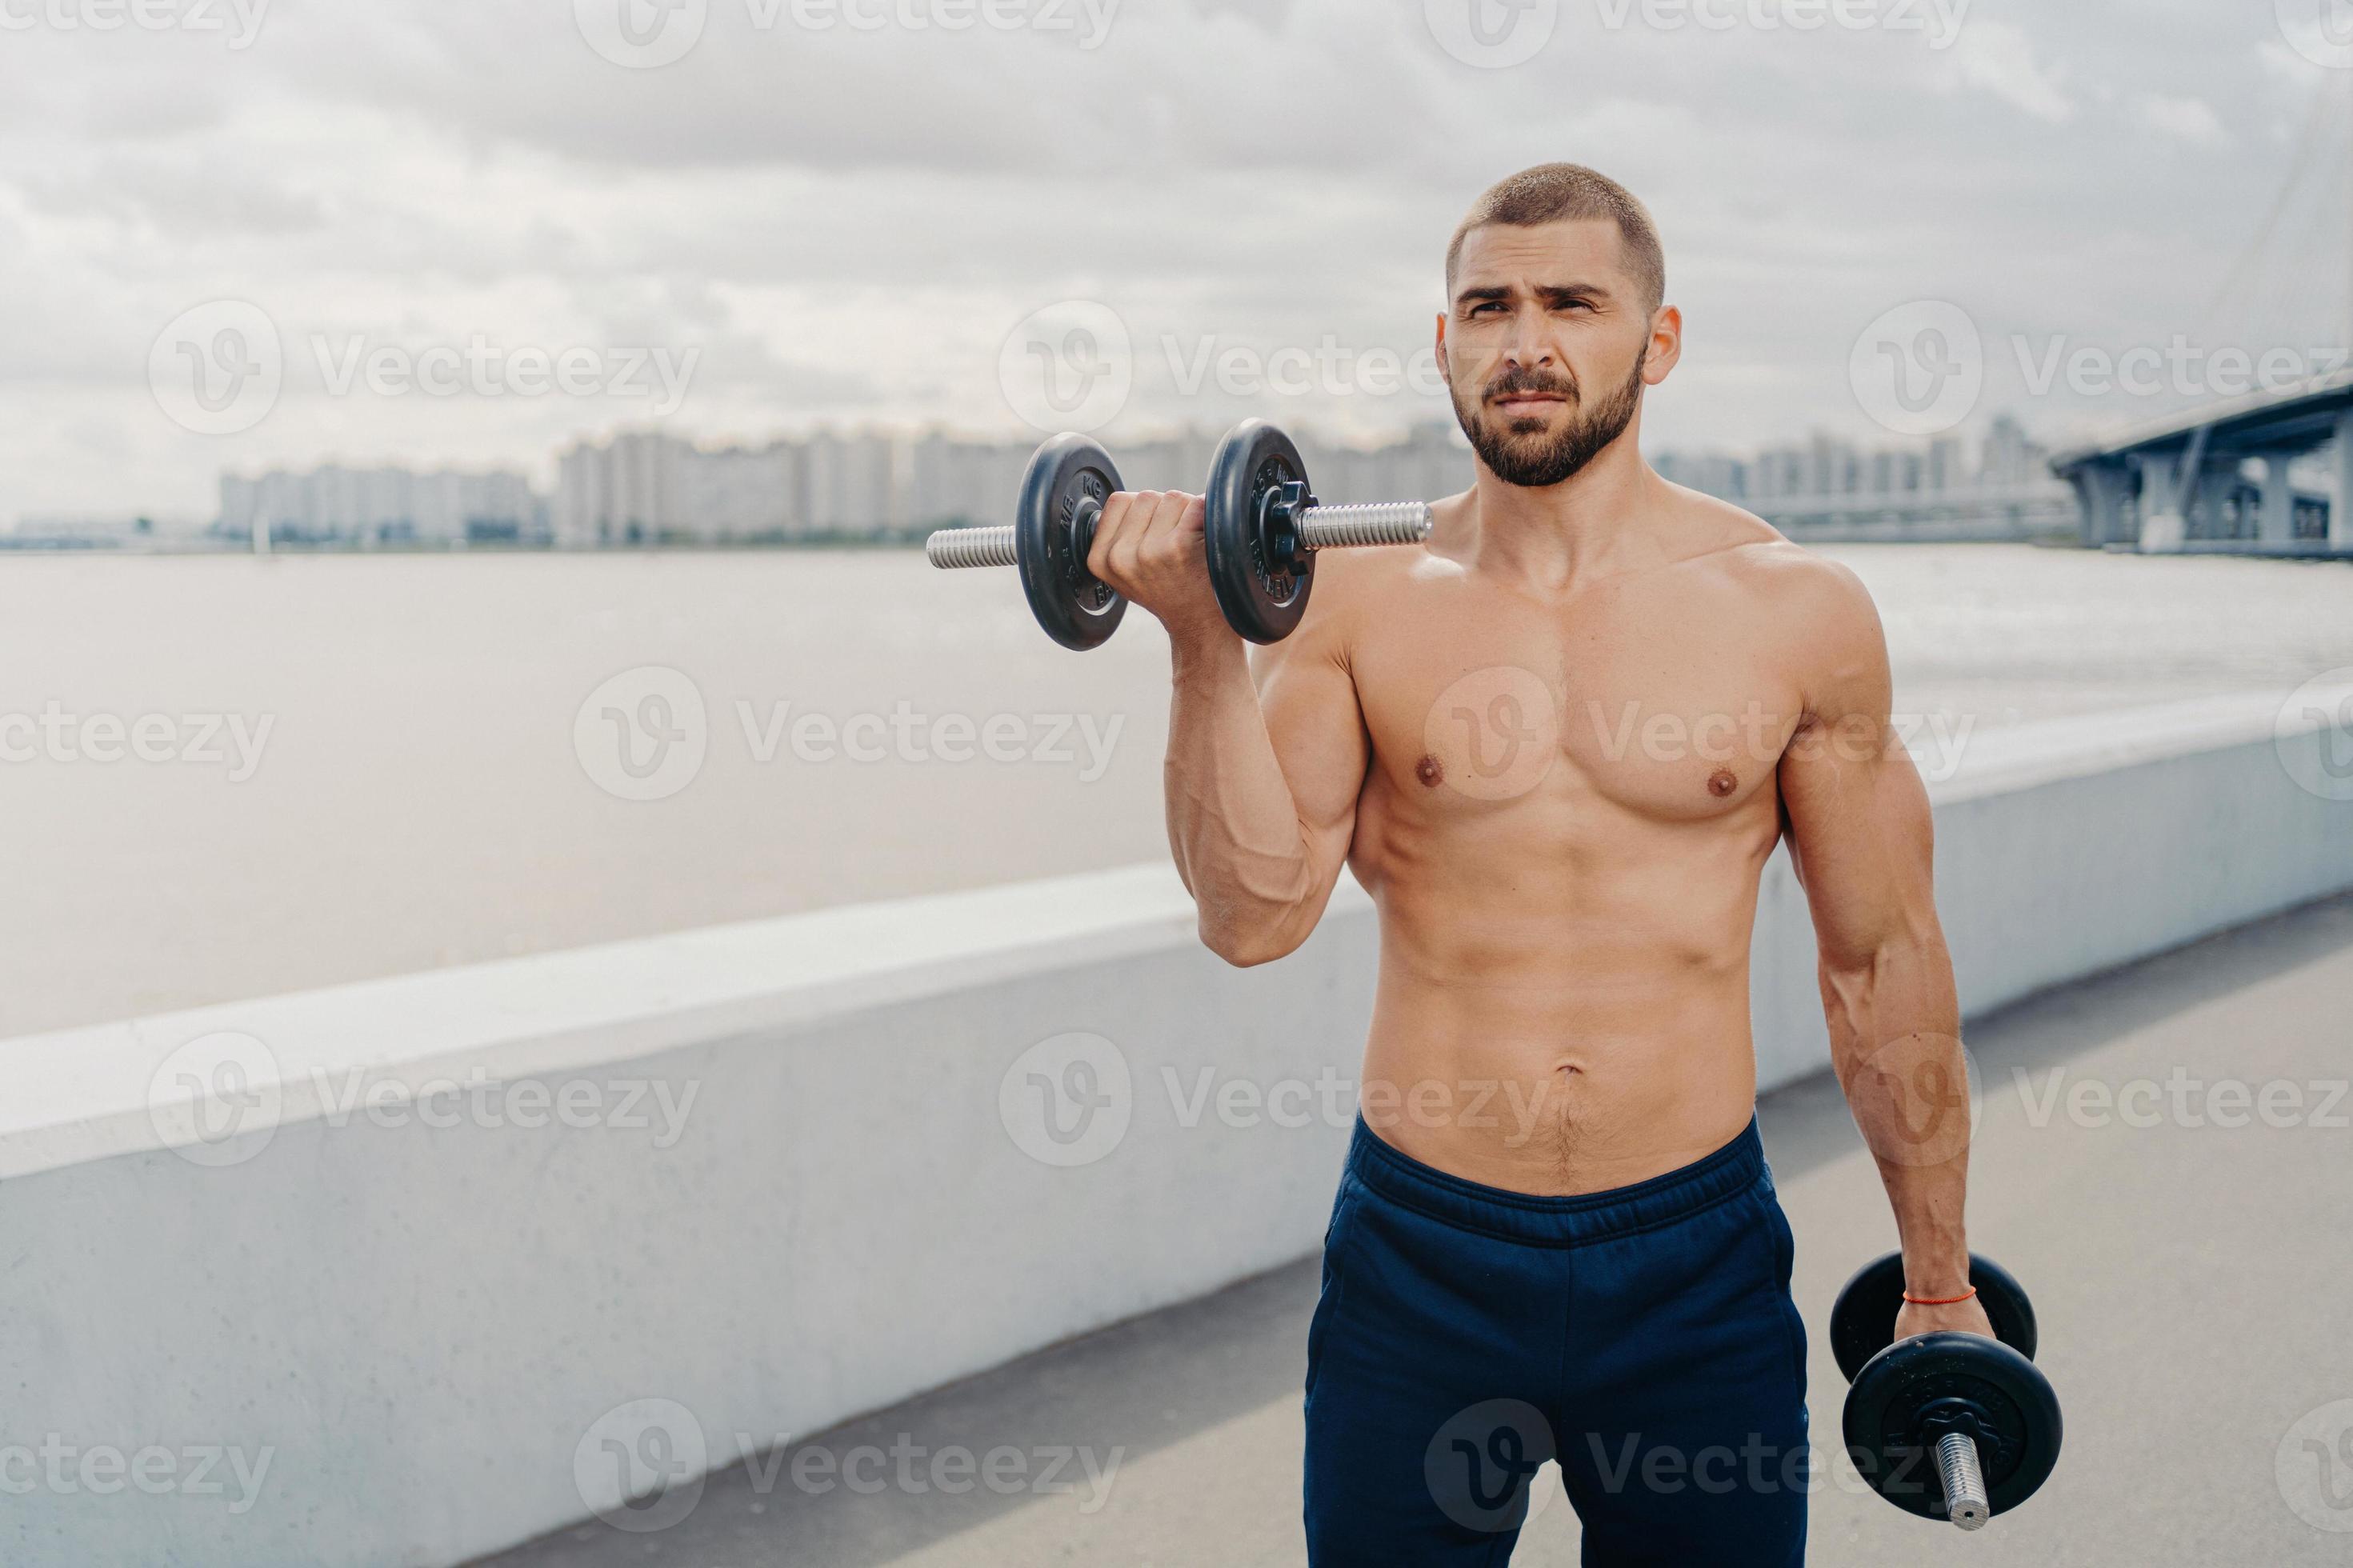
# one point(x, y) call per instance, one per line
point(2221, 478)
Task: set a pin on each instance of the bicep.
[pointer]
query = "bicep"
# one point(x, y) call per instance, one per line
point(1856, 812)
point(1309, 699)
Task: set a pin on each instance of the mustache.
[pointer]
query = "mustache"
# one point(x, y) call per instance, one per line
point(1523, 380)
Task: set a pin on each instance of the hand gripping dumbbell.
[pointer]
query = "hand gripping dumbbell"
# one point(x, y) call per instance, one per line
point(1947, 1425)
point(1263, 528)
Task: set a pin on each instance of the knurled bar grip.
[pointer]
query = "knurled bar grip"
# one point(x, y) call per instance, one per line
point(1965, 1488)
point(1320, 528)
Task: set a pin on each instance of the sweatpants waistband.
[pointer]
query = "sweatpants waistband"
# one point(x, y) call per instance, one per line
point(1557, 1221)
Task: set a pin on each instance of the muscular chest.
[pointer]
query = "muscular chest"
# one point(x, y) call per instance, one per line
point(1669, 706)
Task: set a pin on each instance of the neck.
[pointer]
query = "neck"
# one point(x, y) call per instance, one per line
point(1591, 523)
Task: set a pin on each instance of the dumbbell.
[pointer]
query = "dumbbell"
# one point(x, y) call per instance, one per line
point(1264, 526)
point(1976, 1410)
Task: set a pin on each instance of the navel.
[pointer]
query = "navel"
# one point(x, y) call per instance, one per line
point(1429, 771)
point(1722, 782)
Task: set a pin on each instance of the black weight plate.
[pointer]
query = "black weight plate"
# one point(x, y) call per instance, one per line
point(1891, 1438)
point(1262, 599)
point(1862, 1324)
point(1076, 610)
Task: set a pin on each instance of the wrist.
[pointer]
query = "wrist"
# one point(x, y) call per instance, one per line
point(1205, 647)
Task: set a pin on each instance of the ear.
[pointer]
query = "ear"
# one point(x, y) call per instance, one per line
point(1666, 346)
point(1442, 368)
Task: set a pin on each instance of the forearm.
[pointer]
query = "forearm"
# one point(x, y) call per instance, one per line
point(1895, 1027)
point(1233, 823)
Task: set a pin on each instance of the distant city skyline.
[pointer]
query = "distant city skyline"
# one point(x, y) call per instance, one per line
point(648, 486)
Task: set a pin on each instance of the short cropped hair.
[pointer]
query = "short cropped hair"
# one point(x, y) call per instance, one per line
point(1561, 193)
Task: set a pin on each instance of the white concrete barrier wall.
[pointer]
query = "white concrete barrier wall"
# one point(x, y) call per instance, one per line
point(363, 1275)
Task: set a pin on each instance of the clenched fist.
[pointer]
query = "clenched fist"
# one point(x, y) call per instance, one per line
point(1147, 545)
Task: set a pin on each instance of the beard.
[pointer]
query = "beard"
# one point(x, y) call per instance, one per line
point(1520, 452)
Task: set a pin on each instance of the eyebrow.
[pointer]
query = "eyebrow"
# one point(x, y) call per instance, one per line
point(1553, 295)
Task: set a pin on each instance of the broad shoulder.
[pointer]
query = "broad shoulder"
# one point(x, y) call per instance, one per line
point(1784, 576)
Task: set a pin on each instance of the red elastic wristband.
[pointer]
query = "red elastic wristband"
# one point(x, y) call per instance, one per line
point(1946, 1301)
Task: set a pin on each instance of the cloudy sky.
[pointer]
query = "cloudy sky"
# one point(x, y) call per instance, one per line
point(234, 236)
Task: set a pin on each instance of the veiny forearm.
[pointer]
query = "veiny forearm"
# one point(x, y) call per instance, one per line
point(1233, 823)
point(1895, 1027)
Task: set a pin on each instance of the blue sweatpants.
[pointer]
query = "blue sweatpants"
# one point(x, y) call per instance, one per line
point(1644, 1337)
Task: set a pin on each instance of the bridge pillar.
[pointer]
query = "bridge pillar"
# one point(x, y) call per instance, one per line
point(2102, 490)
point(2341, 497)
point(2278, 517)
point(2161, 525)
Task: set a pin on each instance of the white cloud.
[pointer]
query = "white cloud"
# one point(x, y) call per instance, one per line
point(2190, 120)
point(847, 224)
point(1998, 59)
